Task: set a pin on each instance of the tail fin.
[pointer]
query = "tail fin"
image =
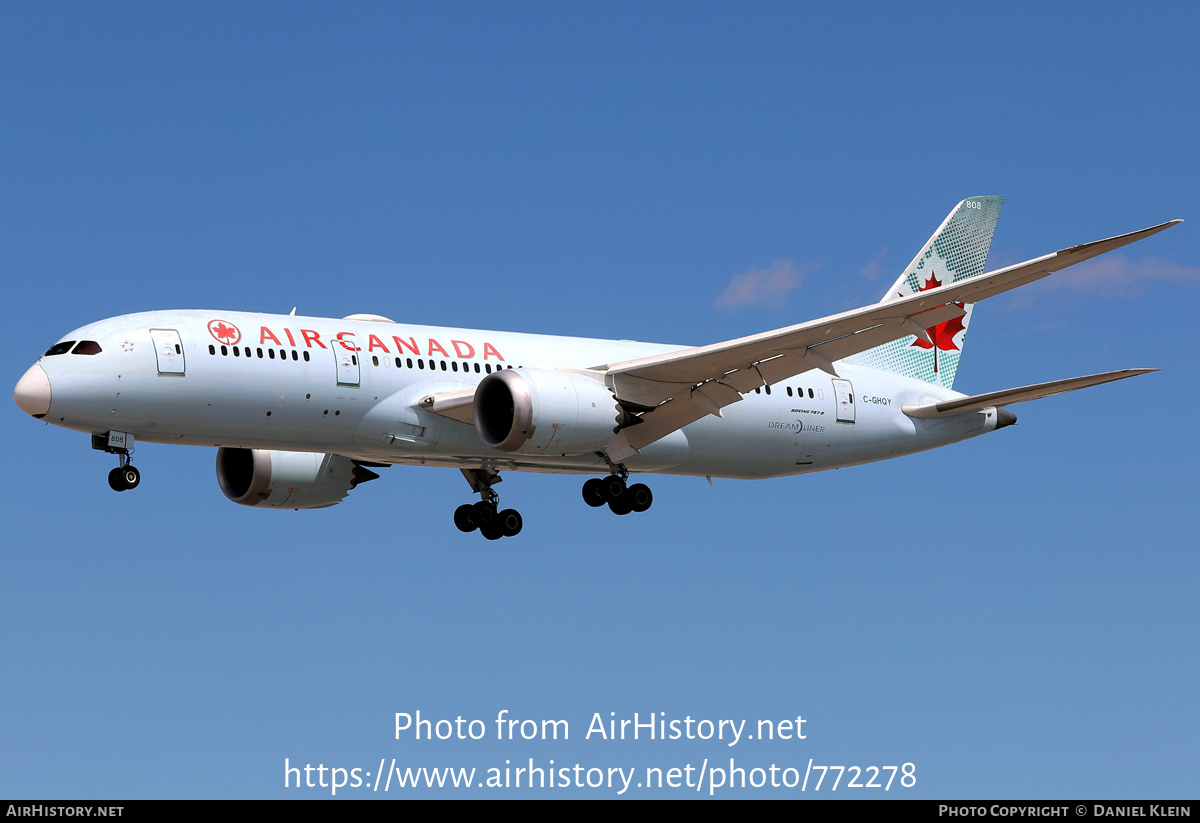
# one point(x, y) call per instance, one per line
point(957, 251)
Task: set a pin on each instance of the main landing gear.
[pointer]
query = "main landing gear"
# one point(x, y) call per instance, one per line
point(483, 515)
point(494, 523)
point(621, 499)
point(124, 476)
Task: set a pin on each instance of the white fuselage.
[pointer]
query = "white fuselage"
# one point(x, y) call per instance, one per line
point(352, 387)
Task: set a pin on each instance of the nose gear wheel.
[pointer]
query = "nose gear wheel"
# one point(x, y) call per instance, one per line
point(124, 477)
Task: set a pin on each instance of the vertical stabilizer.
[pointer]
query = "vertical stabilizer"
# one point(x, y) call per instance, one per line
point(957, 251)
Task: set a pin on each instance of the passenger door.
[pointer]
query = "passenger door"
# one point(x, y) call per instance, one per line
point(168, 348)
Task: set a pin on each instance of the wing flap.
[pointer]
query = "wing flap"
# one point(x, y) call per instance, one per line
point(891, 329)
point(670, 416)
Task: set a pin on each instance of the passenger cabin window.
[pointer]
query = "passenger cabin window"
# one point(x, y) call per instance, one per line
point(87, 347)
point(59, 348)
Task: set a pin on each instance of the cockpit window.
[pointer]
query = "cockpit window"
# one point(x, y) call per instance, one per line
point(87, 347)
point(59, 348)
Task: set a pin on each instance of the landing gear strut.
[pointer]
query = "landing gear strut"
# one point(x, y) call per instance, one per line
point(621, 499)
point(484, 515)
point(124, 476)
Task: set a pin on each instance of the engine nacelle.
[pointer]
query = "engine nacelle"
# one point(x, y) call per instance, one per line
point(537, 411)
point(287, 480)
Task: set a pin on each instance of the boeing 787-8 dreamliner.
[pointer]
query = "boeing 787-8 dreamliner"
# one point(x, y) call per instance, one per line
point(301, 409)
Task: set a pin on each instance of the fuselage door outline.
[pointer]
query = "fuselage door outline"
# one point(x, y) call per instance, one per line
point(844, 394)
point(349, 372)
point(168, 349)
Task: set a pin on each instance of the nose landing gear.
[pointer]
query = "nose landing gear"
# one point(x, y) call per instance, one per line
point(124, 476)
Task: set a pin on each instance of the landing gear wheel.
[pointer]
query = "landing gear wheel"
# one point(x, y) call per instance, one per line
point(464, 518)
point(639, 496)
point(613, 488)
point(124, 477)
point(622, 505)
point(491, 531)
point(593, 492)
point(510, 522)
point(484, 514)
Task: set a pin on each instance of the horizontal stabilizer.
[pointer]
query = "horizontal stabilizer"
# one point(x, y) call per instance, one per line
point(1007, 397)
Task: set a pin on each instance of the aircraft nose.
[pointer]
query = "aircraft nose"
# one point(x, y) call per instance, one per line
point(32, 393)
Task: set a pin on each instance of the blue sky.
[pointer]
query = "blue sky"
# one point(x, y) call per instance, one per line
point(1015, 615)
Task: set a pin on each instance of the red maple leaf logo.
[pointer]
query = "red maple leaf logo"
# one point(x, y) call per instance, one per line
point(224, 333)
point(942, 334)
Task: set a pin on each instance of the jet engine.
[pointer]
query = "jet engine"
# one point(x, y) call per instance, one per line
point(287, 480)
point(538, 411)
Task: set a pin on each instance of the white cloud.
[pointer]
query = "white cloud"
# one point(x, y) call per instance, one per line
point(874, 266)
point(763, 287)
point(1116, 275)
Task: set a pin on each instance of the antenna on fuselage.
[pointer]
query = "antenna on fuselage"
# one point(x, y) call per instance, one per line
point(292, 313)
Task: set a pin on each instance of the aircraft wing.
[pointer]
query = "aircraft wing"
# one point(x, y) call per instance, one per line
point(678, 388)
point(1008, 397)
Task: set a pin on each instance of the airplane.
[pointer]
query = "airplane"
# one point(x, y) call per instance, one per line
point(302, 409)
